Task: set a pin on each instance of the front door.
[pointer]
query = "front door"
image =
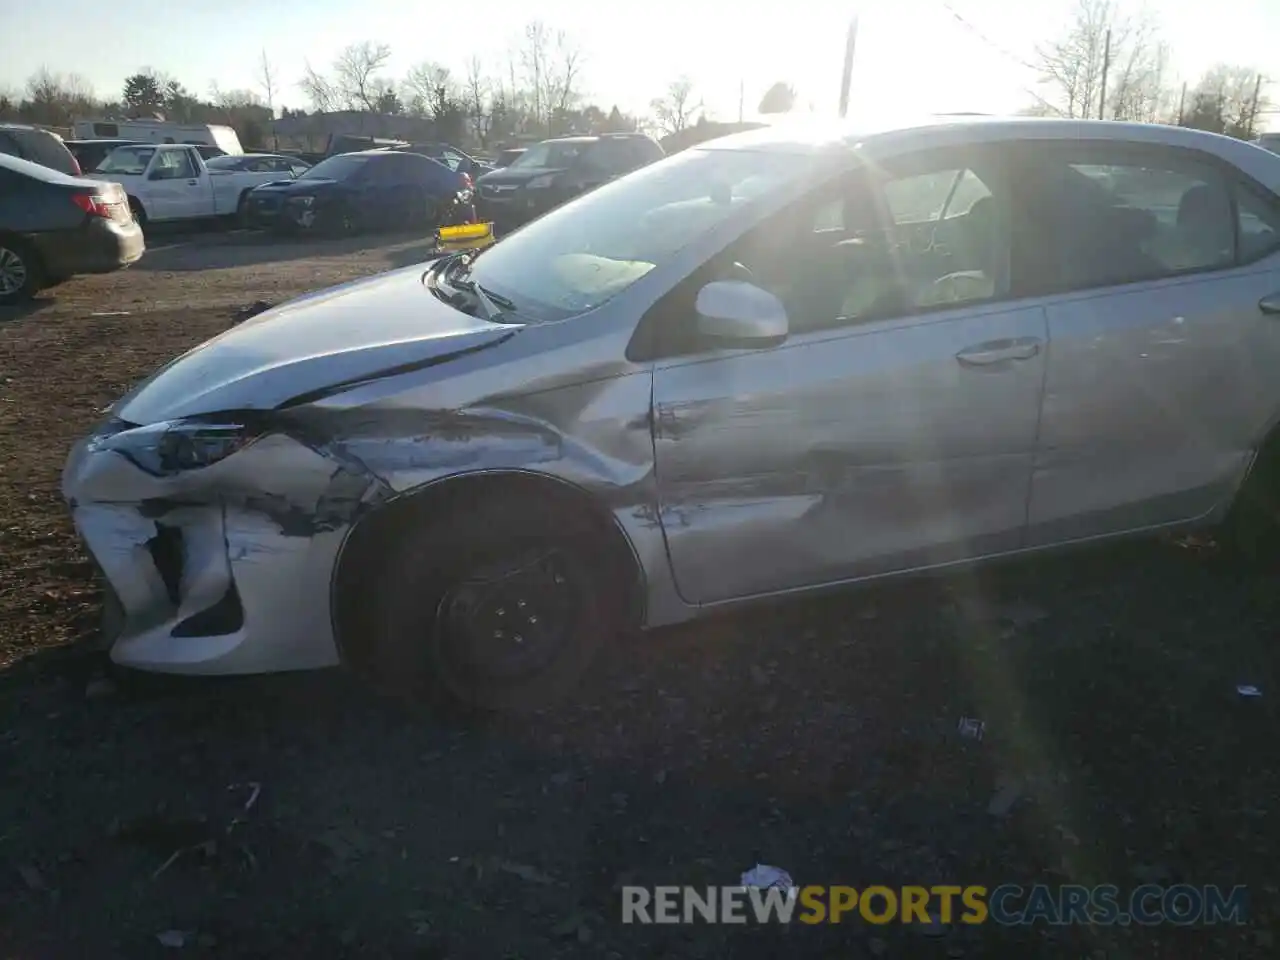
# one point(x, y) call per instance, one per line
point(896, 426)
point(177, 188)
point(1161, 376)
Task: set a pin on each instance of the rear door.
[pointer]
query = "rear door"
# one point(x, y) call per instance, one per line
point(1162, 270)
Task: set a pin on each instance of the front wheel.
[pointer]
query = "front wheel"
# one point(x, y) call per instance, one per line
point(494, 609)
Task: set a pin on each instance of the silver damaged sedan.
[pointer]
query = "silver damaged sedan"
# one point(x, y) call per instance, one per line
point(792, 358)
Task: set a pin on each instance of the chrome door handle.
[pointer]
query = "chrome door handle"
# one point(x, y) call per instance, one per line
point(1270, 303)
point(192, 183)
point(998, 351)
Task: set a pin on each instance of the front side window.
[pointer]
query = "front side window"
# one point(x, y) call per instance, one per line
point(173, 165)
point(912, 237)
point(582, 254)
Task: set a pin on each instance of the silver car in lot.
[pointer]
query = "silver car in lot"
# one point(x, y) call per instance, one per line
point(796, 357)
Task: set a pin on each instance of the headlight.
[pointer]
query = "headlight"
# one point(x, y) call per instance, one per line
point(302, 201)
point(540, 183)
point(174, 446)
point(464, 196)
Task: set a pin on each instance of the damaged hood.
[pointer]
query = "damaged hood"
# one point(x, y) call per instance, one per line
point(347, 334)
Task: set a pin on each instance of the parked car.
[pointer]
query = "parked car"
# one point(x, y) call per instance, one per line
point(90, 153)
point(38, 146)
point(555, 171)
point(451, 157)
point(54, 226)
point(275, 163)
point(776, 362)
point(167, 182)
point(370, 190)
point(507, 157)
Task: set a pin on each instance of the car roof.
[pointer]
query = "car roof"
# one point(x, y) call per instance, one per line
point(40, 172)
point(29, 128)
point(813, 135)
point(122, 141)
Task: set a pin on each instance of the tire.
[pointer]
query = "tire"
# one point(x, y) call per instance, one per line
point(1250, 535)
point(242, 211)
point(20, 271)
point(505, 574)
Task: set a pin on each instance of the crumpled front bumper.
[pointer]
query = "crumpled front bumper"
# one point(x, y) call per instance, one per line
point(222, 570)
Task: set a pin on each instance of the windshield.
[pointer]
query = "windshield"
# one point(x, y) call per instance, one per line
point(126, 161)
point(578, 256)
point(342, 167)
point(550, 154)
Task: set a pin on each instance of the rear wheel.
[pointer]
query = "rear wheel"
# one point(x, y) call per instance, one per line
point(1251, 532)
point(19, 271)
point(498, 608)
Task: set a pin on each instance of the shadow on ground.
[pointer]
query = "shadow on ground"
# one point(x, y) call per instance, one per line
point(217, 251)
point(819, 736)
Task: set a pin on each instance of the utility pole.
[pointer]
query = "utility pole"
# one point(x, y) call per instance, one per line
point(1253, 106)
point(1182, 102)
point(1106, 65)
point(847, 76)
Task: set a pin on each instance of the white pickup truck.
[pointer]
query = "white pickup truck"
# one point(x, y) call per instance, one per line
point(173, 182)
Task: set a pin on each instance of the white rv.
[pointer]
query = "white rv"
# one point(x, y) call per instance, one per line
point(160, 131)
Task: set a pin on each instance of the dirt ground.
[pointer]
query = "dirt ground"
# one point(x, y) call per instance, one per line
point(818, 737)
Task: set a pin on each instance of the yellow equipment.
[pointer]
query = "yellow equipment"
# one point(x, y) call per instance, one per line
point(464, 236)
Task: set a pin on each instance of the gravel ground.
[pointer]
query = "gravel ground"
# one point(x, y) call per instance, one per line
point(818, 736)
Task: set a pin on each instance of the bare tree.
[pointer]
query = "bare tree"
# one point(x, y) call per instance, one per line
point(56, 98)
point(355, 75)
point(477, 95)
point(1223, 102)
point(1138, 88)
point(268, 81)
point(1071, 67)
point(564, 76)
point(675, 111)
point(319, 90)
point(430, 89)
point(535, 54)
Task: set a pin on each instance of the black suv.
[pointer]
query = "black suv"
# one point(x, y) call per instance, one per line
point(555, 171)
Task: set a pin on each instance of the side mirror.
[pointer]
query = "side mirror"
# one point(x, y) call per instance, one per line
point(734, 313)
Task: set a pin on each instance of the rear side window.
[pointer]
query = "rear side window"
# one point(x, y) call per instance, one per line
point(9, 145)
point(108, 131)
point(1102, 216)
point(1258, 221)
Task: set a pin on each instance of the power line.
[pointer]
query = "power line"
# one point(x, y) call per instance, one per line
point(1008, 55)
point(973, 28)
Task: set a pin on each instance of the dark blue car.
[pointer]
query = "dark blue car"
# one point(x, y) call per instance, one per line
point(371, 190)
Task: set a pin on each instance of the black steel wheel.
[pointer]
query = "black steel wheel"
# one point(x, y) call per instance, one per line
point(499, 608)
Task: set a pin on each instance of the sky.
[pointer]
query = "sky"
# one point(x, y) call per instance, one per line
point(913, 56)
